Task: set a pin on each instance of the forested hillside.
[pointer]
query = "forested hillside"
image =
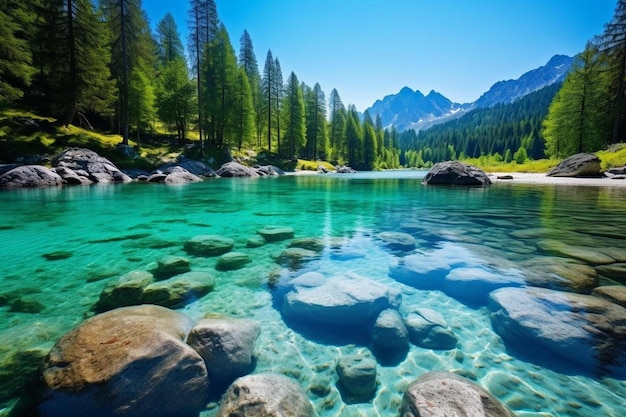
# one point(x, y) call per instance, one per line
point(502, 129)
point(99, 65)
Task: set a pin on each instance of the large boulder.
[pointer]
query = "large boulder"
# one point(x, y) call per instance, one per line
point(29, 176)
point(226, 345)
point(88, 164)
point(456, 173)
point(235, 169)
point(269, 171)
point(579, 165)
point(428, 329)
point(587, 330)
point(70, 177)
point(265, 395)
point(389, 332)
point(439, 394)
point(198, 168)
point(125, 291)
point(178, 175)
point(132, 361)
point(349, 300)
point(614, 293)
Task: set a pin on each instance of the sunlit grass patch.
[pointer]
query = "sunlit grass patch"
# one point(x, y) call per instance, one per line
point(614, 157)
point(305, 165)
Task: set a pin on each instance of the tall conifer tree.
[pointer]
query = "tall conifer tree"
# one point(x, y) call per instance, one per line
point(248, 61)
point(293, 116)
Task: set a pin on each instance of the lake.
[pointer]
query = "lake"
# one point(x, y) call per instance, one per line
point(62, 246)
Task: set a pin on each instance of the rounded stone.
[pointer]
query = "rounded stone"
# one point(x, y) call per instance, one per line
point(389, 332)
point(276, 233)
point(232, 261)
point(357, 375)
point(209, 245)
point(171, 265)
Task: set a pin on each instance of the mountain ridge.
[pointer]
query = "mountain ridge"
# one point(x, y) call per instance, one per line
point(410, 109)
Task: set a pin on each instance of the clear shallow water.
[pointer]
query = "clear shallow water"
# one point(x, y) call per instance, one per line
point(107, 231)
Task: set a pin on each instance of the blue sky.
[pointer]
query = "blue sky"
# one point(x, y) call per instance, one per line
point(368, 49)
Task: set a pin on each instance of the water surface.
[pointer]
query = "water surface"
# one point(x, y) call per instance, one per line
point(62, 246)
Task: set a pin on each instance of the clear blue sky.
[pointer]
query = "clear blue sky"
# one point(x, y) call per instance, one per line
point(368, 49)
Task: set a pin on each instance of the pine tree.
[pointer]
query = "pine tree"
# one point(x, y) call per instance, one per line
point(613, 44)
point(175, 94)
point(576, 120)
point(277, 97)
point(246, 116)
point(316, 136)
point(170, 47)
point(354, 137)
point(267, 91)
point(141, 99)
point(337, 126)
point(293, 116)
point(369, 142)
point(248, 61)
point(73, 58)
point(16, 69)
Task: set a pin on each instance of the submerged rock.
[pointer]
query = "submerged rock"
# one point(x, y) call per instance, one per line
point(209, 245)
point(456, 173)
point(226, 345)
point(349, 300)
point(389, 332)
point(126, 362)
point(579, 165)
point(295, 258)
point(29, 176)
point(398, 241)
point(179, 290)
point(127, 290)
point(614, 293)
point(171, 265)
point(265, 395)
point(584, 329)
point(428, 329)
point(557, 273)
point(232, 261)
point(438, 394)
point(276, 233)
point(357, 374)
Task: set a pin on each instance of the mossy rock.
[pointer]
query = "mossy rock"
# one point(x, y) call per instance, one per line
point(209, 245)
point(232, 261)
point(276, 233)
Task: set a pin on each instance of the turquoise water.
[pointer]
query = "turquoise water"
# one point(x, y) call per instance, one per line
point(92, 235)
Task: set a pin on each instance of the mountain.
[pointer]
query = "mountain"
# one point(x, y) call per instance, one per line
point(410, 109)
point(508, 91)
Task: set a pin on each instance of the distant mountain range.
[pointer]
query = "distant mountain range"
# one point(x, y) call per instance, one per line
point(410, 109)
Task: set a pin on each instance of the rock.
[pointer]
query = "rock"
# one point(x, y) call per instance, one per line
point(310, 243)
point(276, 233)
point(89, 164)
point(428, 329)
point(456, 173)
point(265, 395)
point(357, 374)
point(178, 175)
point(342, 169)
point(235, 169)
point(194, 167)
point(588, 330)
point(439, 394)
point(559, 273)
point(389, 332)
point(179, 290)
point(4, 168)
point(171, 265)
point(473, 285)
point(398, 241)
point(226, 345)
point(29, 176)
point(616, 271)
point(255, 242)
point(157, 177)
point(349, 300)
point(295, 258)
point(57, 255)
point(28, 305)
point(614, 293)
point(70, 177)
point(617, 171)
point(584, 253)
point(579, 165)
point(232, 261)
point(308, 279)
point(269, 170)
point(126, 362)
point(209, 245)
point(127, 290)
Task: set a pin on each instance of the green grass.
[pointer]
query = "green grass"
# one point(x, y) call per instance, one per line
point(305, 165)
point(614, 157)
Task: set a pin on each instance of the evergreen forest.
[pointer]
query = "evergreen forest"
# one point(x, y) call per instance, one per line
point(100, 65)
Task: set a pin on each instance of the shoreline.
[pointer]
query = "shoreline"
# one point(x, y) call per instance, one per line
point(543, 179)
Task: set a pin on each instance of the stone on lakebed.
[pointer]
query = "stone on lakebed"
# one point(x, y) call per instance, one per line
point(209, 245)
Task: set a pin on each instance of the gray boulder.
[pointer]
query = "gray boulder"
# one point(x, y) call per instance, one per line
point(178, 175)
point(127, 290)
point(269, 171)
point(226, 345)
point(588, 330)
point(265, 395)
point(456, 173)
point(342, 169)
point(276, 233)
point(428, 329)
point(614, 293)
point(197, 168)
point(357, 374)
point(439, 394)
point(179, 290)
point(235, 169)
point(70, 177)
point(89, 164)
point(209, 245)
point(29, 176)
point(398, 241)
point(389, 332)
point(126, 362)
point(295, 258)
point(349, 300)
point(579, 165)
